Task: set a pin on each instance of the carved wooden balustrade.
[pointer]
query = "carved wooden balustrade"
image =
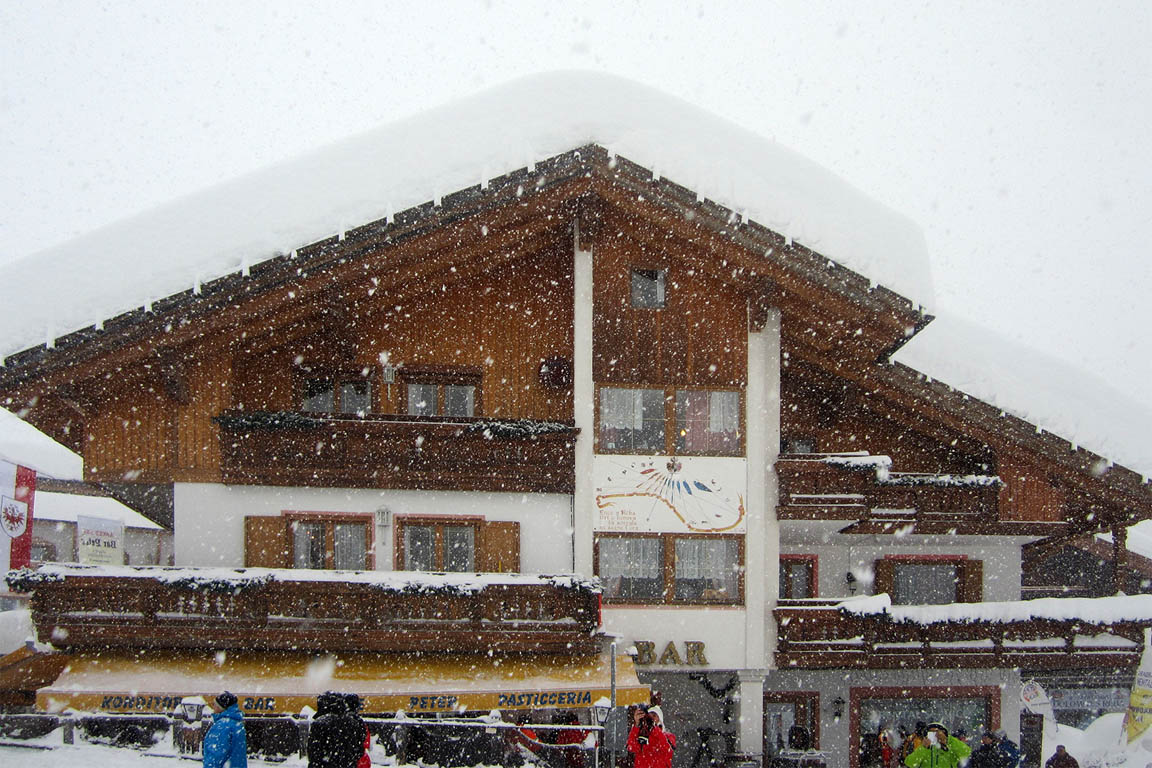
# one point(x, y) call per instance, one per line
point(861, 488)
point(378, 451)
point(821, 634)
point(154, 607)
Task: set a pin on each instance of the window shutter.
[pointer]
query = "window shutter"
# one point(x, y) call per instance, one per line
point(884, 577)
point(266, 542)
point(500, 548)
point(971, 587)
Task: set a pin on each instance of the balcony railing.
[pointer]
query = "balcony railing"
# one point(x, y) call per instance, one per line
point(861, 487)
point(397, 452)
point(258, 608)
point(1034, 634)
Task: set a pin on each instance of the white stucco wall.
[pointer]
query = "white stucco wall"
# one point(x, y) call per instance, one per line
point(209, 518)
point(720, 628)
point(839, 553)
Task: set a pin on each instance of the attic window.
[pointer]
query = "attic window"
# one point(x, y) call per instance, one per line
point(648, 288)
point(336, 394)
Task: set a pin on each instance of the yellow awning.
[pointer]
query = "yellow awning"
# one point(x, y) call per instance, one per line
point(283, 683)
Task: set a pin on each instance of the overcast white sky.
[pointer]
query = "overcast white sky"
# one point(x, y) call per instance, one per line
point(1014, 133)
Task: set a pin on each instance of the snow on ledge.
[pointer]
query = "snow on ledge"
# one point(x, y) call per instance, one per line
point(364, 178)
point(236, 579)
point(1091, 610)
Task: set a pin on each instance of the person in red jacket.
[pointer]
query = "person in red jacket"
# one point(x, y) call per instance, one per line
point(650, 744)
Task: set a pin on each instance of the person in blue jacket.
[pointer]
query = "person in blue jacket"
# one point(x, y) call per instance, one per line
point(227, 741)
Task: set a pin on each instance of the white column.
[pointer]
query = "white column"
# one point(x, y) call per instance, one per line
point(752, 712)
point(583, 400)
point(770, 412)
point(755, 545)
point(762, 545)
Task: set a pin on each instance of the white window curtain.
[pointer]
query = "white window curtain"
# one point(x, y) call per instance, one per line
point(630, 558)
point(711, 560)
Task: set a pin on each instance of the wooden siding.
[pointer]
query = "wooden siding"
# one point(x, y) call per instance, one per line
point(1028, 494)
point(836, 416)
point(699, 338)
point(130, 437)
point(503, 323)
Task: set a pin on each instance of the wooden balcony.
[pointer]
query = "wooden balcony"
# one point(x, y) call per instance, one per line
point(397, 452)
point(84, 607)
point(861, 488)
point(1029, 635)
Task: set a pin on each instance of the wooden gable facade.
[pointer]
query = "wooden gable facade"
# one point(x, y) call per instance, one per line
point(477, 287)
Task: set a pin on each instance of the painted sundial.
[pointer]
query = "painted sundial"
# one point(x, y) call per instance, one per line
point(669, 494)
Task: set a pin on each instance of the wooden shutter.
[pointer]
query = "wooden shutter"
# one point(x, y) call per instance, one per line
point(885, 576)
point(500, 547)
point(971, 577)
point(266, 542)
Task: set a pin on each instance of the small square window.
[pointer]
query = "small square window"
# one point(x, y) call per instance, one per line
point(648, 288)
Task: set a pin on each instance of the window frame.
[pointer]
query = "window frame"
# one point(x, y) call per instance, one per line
point(439, 523)
point(813, 564)
point(337, 378)
point(670, 436)
point(969, 575)
point(329, 520)
point(440, 376)
point(660, 280)
point(668, 569)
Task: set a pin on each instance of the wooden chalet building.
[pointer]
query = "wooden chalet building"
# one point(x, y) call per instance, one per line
point(582, 364)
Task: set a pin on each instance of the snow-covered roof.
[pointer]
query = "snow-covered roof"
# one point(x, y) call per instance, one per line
point(66, 507)
point(1039, 389)
point(362, 179)
point(23, 444)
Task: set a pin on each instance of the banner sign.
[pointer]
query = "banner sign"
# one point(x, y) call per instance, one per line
point(99, 541)
point(1139, 714)
point(17, 492)
point(669, 494)
point(50, 700)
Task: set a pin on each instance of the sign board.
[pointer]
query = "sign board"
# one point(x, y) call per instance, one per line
point(669, 494)
point(17, 493)
point(99, 541)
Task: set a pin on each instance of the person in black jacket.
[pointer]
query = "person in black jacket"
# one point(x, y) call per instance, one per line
point(336, 739)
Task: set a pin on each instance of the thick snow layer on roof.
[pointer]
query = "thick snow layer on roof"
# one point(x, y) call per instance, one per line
point(1091, 610)
point(364, 178)
point(67, 506)
point(1024, 382)
point(23, 444)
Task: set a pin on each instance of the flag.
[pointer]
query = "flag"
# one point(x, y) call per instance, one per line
point(17, 490)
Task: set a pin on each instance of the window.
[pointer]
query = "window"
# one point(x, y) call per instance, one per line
point(671, 568)
point(929, 580)
point(797, 577)
point(704, 422)
point(448, 392)
point(330, 542)
point(43, 551)
point(631, 420)
point(648, 288)
point(337, 394)
point(708, 422)
point(437, 545)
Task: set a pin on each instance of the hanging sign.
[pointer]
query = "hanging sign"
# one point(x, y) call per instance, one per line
point(99, 541)
point(17, 491)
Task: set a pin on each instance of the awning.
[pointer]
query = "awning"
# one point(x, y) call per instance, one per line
point(284, 683)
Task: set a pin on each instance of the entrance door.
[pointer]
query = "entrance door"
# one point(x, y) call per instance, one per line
point(782, 711)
